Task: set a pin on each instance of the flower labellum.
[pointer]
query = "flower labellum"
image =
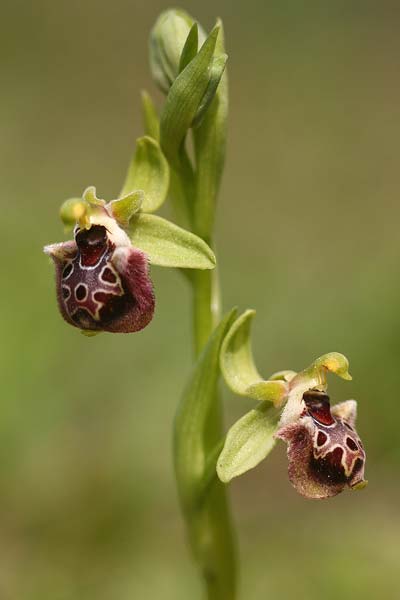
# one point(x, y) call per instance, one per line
point(102, 281)
point(324, 451)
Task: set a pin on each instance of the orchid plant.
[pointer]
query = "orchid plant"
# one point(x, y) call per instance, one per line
point(103, 285)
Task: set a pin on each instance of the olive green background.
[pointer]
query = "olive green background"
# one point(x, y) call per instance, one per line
point(308, 227)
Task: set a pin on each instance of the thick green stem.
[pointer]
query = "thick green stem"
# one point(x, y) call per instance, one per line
point(210, 521)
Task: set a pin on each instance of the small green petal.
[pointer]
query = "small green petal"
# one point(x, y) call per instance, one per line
point(168, 245)
point(89, 195)
point(124, 208)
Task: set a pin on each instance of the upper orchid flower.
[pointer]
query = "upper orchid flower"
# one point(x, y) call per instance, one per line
point(102, 275)
point(102, 281)
point(324, 450)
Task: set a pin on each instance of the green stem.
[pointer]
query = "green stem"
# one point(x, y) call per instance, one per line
point(210, 521)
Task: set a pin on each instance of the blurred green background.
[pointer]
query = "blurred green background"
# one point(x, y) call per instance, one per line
point(307, 235)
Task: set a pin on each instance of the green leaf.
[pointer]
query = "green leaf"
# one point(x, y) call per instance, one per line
point(150, 117)
point(248, 442)
point(190, 48)
point(184, 98)
point(217, 69)
point(124, 208)
point(192, 417)
point(167, 245)
point(209, 145)
point(149, 172)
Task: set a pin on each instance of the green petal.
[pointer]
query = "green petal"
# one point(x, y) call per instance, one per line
point(149, 172)
point(168, 245)
point(124, 208)
point(248, 442)
point(90, 196)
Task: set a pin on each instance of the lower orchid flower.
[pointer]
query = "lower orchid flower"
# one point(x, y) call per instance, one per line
point(324, 451)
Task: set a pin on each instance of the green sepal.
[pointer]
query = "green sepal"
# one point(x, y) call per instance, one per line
point(124, 208)
point(191, 419)
point(237, 362)
point(149, 172)
point(168, 245)
point(238, 368)
point(151, 120)
point(248, 442)
point(184, 99)
point(190, 48)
